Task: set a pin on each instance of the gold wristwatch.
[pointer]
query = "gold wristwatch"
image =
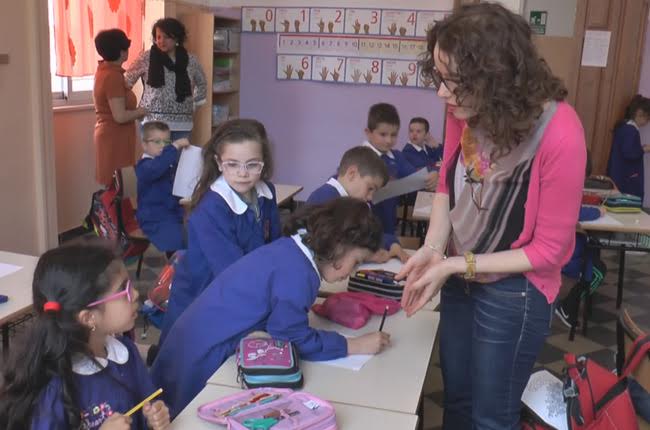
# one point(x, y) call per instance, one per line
point(470, 271)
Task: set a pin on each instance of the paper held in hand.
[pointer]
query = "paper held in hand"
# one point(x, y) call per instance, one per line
point(188, 172)
point(415, 182)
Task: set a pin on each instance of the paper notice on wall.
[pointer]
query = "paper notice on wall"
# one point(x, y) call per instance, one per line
point(399, 187)
point(595, 49)
point(188, 172)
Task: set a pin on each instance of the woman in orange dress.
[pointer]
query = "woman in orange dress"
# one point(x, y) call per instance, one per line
point(115, 107)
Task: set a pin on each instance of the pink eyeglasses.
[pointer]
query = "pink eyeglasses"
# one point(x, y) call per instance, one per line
point(126, 292)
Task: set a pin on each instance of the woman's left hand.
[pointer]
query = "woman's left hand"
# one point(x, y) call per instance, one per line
point(157, 415)
point(419, 292)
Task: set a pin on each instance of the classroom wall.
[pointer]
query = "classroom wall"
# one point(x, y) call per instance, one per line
point(28, 215)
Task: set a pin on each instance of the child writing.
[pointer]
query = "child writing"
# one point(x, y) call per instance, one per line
point(271, 289)
point(381, 132)
point(417, 151)
point(361, 172)
point(233, 210)
point(72, 372)
point(159, 213)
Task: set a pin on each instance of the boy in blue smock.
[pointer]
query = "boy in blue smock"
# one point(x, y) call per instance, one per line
point(361, 172)
point(417, 151)
point(159, 213)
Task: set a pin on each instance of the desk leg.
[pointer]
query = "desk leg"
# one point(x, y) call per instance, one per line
point(621, 274)
point(420, 413)
point(5, 339)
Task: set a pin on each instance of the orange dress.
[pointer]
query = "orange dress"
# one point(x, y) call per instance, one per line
point(114, 142)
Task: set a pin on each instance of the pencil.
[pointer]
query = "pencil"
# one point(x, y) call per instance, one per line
point(137, 407)
point(383, 318)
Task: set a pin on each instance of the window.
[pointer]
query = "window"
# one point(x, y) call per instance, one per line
point(66, 91)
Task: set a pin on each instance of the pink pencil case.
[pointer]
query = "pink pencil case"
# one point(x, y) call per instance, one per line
point(275, 408)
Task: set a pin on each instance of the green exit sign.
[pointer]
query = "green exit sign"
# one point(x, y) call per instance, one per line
point(537, 21)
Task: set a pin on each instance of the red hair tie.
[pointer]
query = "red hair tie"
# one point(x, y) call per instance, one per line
point(52, 307)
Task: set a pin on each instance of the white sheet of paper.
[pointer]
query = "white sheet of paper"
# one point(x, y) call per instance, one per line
point(351, 362)
point(398, 187)
point(596, 48)
point(607, 219)
point(188, 172)
point(543, 394)
point(8, 269)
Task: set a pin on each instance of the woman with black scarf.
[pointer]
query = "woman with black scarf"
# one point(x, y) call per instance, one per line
point(174, 83)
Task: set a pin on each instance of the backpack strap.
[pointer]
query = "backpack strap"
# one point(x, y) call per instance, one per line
point(638, 352)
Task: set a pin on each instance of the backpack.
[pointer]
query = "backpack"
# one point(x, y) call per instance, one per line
point(113, 218)
point(596, 398)
point(268, 362)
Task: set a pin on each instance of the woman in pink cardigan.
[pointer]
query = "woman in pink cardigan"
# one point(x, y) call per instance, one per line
point(503, 218)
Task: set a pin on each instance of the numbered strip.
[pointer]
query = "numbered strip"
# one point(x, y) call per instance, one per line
point(399, 73)
point(363, 71)
point(258, 19)
point(425, 20)
point(363, 21)
point(327, 20)
point(297, 44)
point(333, 45)
point(294, 67)
point(328, 69)
point(292, 19)
point(398, 23)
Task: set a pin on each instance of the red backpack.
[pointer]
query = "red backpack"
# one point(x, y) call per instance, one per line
point(596, 398)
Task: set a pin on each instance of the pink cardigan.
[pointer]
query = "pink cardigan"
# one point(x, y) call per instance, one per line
point(554, 195)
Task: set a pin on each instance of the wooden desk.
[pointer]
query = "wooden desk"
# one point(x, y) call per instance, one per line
point(284, 194)
point(348, 417)
point(391, 381)
point(422, 207)
point(18, 287)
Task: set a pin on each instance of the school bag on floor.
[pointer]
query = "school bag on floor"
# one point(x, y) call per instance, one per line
point(268, 362)
point(270, 408)
point(596, 398)
point(379, 282)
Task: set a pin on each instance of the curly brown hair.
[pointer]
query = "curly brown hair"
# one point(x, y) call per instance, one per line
point(498, 71)
point(335, 227)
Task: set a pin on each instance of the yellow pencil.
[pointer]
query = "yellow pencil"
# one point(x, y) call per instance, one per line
point(141, 404)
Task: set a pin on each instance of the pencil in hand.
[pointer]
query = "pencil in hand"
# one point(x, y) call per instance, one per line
point(383, 319)
point(139, 406)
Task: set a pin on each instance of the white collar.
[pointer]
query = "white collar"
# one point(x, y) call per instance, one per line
point(417, 148)
point(310, 255)
point(115, 351)
point(236, 204)
point(145, 155)
point(633, 124)
point(336, 184)
point(377, 151)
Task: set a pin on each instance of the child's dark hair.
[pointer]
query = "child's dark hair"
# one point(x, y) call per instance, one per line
point(637, 103)
point(233, 131)
point(382, 113)
point(154, 125)
point(73, 276)
point(367, 161)
point(335, 227)
point(110, 44)
point(420, 120)
point(172, 28)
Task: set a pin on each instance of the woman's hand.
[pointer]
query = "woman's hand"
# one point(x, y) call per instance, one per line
point(141, 112)
point(371, 343)
point(157, 415)
point(413, 271)
point(117, 422)
point(419, 292)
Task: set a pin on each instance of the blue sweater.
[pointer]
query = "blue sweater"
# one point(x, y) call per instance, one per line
point(625, 165)
point(425, 157)
point(270, 289)
point(398, 167)
point(574, 267)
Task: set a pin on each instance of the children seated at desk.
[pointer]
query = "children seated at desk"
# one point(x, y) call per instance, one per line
point(361, 172)
point(272, 289)
point(233, 211)
point(71, 372)
point(417, 151)
point(159, 213)
point(381, 132)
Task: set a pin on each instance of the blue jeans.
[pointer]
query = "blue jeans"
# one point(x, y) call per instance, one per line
point(490, 335)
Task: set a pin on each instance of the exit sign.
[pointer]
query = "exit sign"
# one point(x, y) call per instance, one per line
point(537, 21)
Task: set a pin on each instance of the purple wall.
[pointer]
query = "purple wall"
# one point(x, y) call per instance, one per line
point(311, 124)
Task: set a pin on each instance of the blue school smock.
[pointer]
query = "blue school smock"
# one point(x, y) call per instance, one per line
point(625, 165)
point(159, 213)
point(220, 230)
point(422, 156)
point(333, 189)
point(122, 383)
point(270, 289)
point(398, 167)
point(575, 265)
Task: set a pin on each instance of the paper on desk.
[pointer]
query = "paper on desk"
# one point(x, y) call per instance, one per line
point(8, 269)
point(351, 362)
point(603, 220)
point(188, 172)
point(543, 395)
point(415, 182)
point(393, 265)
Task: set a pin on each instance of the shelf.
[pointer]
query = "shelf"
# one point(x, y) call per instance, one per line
point(231, 91)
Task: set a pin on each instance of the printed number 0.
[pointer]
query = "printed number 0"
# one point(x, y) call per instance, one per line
point(269, 15)
point(412, 68)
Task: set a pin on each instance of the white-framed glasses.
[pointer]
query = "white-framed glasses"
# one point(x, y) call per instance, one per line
point(233, 166)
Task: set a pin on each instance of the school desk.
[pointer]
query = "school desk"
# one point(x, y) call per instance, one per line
point(391, 381)
point(348, 417)
point(17, 286)
point(284, 194)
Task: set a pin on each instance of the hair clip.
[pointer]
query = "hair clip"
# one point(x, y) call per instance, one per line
point(52, 307)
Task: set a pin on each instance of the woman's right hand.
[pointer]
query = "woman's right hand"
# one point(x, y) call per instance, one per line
point(371, 343)
point(117, 422)
point(142, 112)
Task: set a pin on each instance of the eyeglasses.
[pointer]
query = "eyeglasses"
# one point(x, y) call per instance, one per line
point(252, 167)
point(125, 292)
point(438, 80)
point(159, 141)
